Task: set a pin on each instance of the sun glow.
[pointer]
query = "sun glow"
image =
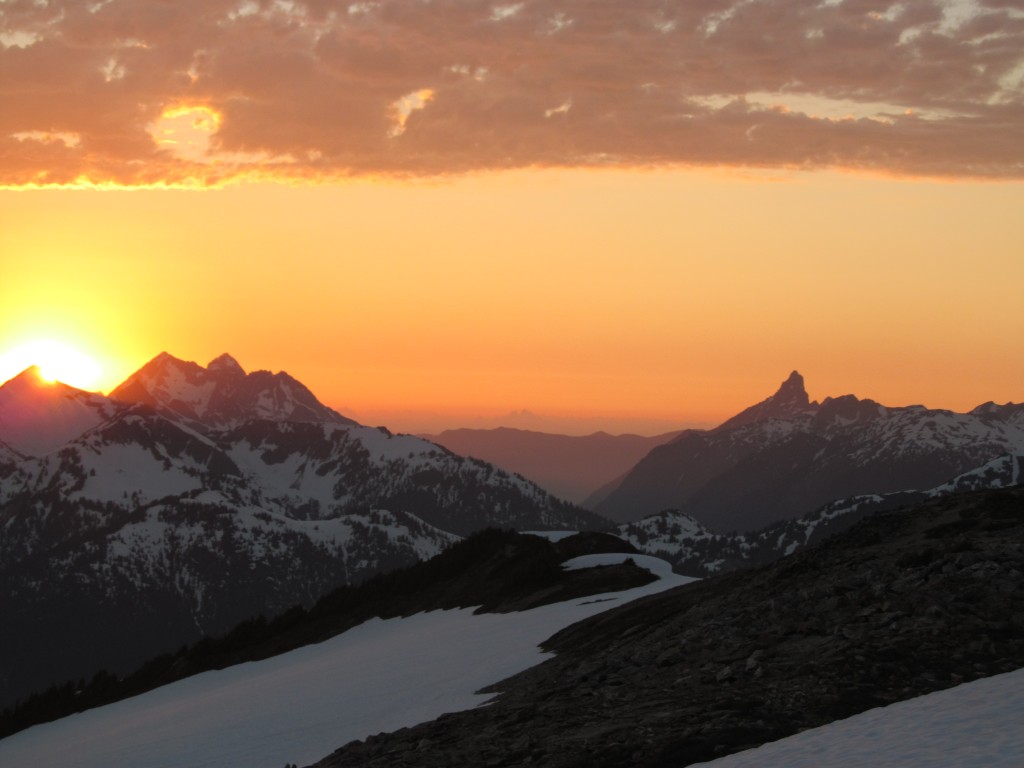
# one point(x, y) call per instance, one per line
point(56, 362)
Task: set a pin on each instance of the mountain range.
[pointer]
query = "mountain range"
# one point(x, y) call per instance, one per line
point(193, 498)
point(788, 456)
point(694, 550)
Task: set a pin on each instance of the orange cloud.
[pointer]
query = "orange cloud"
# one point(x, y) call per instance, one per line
point(314, 90)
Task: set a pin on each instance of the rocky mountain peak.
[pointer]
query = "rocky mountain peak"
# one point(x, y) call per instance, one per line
point(32, 384)
point(225, 363)
point(223, 394)
point(792, 391)
point(38, 415)
point(788, 401)
point(30, 378)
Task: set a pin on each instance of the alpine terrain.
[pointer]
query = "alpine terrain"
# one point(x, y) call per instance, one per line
point(905, 603)
point(695, 550)
point(193, 498)
point(788, 456)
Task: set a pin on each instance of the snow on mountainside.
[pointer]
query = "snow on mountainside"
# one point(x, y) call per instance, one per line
point(906, 603)
point(693, 549)
point(183, 526)
point(38, 416)
point(1001, 472)
point(381, 675)
point(787, 456)
point(973, 725)
point(222, 394)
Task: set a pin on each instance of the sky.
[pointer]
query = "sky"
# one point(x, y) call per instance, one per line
point(588, 214)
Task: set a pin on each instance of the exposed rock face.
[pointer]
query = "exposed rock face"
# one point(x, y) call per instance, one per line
point(905, 603)
point(223, 394)
point(787, 456)
point(38, 416)
point(790, 401)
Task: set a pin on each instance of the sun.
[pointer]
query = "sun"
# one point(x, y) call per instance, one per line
point(56, 362)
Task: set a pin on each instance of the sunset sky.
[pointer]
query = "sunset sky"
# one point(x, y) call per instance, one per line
point(622, 215)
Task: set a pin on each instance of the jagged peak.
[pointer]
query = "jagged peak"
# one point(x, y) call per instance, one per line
point(791, 390)
point(224, 362)
point(790, 399)
point(33, 375)
point(163, 358)
point(223, 393)
point(163, 361)
point(32, 379)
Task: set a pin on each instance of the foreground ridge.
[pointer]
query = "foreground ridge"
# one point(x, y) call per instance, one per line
point(905, 603)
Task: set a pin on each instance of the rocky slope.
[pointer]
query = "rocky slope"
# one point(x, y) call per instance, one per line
point(39, 416)
point(694, 550)
point(907, 602)
point(216, 495)
point(788, 456)
point(493, 571)
point(222, 394)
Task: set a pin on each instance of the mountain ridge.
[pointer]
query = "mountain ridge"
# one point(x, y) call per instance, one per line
point(37, 416)
point(906, 602)
point(184, 527)
point(787, 455)
point(222, 394)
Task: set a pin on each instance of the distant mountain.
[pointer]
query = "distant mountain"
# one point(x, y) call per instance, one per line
point(223, 394)
point(694, 550)
point(787, 456)
point(38, 416)
point(209, 496)
point(570, 467)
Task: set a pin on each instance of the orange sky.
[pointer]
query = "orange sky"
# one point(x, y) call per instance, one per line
point(592, 214)
point(676, 296)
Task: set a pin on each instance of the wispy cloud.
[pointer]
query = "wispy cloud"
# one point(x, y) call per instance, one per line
point(207, 91)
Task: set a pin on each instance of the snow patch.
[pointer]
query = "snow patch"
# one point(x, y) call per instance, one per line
point(974, 725)
point(299, 706)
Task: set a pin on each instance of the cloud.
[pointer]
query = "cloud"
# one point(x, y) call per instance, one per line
point(316, 90)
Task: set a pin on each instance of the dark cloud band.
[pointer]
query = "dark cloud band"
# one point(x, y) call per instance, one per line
point(206, 91)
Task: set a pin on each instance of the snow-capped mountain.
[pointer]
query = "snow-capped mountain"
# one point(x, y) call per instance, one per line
point(788, 456)
point(38, 416)
point(222, 394)
point(694, 550)
point(156, 519)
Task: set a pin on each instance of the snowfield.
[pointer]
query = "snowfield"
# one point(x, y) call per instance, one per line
point(974, 725)
point(387, 674)
point(302, 705)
